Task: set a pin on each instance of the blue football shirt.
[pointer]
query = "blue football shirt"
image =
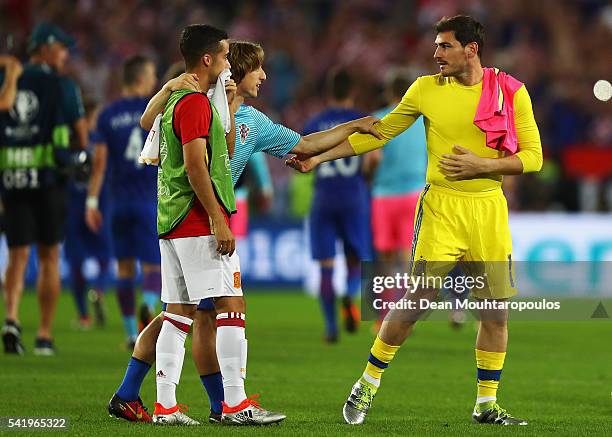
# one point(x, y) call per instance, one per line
point(340, 180)
point(119, 128)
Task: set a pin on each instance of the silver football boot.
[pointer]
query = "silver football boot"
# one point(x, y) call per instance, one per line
point(162, 416)
point(358, 403)
point(249, 412)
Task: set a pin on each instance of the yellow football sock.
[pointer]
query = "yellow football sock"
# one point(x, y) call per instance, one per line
point(489, 365)
point(381, 355)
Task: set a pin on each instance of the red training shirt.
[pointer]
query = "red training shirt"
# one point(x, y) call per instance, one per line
point(192, 118)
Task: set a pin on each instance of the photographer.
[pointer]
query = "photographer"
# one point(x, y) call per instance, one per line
point(34, 134)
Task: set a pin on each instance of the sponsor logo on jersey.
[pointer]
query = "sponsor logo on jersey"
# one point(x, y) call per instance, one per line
point(236, 279)
point(24, 112)
point(25, 108)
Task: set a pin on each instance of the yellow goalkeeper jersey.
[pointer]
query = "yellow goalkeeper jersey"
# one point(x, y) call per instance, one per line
point(448, 109)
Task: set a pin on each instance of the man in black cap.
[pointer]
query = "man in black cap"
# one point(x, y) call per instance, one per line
point(34, 133)
point(49, 46)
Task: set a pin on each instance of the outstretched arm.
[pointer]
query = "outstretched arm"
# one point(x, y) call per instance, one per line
point(371, 134)
point(158, 101)
point(319, 142)
point(305, 164)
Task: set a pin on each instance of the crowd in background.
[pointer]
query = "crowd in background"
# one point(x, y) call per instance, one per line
point(559, 48)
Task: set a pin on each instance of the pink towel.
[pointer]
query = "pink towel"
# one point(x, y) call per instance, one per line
point(495, 112)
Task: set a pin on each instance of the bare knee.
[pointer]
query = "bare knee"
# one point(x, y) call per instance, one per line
point(230, 304)
point(394, 332)
point(18, 256)
point(205, 320)
point(48, 255)
point(494, 325)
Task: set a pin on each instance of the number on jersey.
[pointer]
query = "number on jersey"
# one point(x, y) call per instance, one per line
point(134, 146)
point(345, 167)
point(20, 179)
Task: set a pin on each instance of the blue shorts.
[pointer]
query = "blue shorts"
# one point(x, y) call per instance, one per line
point(81, 242)
point(204, 305)
point(134, 226)
point(349, 223)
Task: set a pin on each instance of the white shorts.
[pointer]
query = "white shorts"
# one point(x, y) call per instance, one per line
point(192, 270)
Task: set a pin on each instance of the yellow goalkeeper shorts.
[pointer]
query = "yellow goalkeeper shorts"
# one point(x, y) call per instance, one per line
point(471, 228)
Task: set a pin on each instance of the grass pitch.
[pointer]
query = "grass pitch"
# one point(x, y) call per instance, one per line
point(557, 375)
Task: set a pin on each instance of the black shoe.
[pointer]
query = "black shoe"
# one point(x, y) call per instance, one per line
point(351, 316)
point(133, 411)
point(214, 417)
point(96, 300)
point(44, 347)
point(11, 338)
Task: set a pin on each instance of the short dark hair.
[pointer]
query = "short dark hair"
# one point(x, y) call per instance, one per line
point(198, 39)
point(340, 84)
point(244, 57)
point(466, 29)
point(133, 68)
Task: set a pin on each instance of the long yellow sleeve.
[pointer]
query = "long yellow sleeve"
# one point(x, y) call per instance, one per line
point(391, 125)
point(528, 135)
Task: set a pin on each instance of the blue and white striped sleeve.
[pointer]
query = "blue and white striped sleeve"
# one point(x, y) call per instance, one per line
point(273, 138)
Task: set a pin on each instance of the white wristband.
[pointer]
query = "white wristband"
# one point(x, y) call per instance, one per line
point(91, 202)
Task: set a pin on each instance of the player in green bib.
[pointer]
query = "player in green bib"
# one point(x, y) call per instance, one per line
point(198, 259)
point(175, 195)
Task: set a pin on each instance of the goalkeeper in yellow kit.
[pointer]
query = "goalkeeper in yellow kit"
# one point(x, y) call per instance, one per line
point(462, 213)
